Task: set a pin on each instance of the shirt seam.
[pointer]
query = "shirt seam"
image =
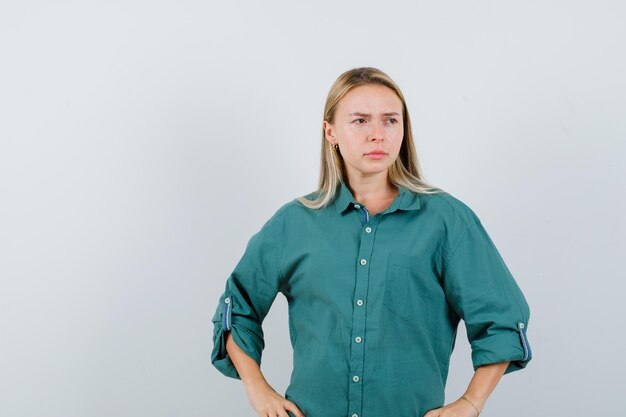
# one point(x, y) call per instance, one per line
point(281, 275)
point(454, 209)
point(450, 252)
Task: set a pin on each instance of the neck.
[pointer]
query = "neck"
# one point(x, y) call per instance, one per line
point(373, 188)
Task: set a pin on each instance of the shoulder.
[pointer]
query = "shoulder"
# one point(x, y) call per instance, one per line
point(292, 208)
point(449, 208)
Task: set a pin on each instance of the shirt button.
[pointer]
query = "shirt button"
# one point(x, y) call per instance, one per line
point(358, 339)
point(355, 415)
point(359, 302)
point(357, 206)
point(227, 300)
point(363, 261)
point(355, 378)
point(368, 229)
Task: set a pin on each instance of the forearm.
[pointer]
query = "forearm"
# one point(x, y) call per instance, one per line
point(248, 369)
point(484, 382)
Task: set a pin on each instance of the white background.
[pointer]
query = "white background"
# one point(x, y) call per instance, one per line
point(143, 142)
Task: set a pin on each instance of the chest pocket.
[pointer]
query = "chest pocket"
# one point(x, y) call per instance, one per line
point(412, 291)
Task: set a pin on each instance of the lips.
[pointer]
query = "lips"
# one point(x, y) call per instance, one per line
point(376, 153)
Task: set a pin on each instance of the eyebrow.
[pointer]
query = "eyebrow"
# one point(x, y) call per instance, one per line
point(368, 115)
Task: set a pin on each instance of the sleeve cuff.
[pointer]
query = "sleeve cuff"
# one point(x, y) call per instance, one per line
point(246, 333)
point(503, 347)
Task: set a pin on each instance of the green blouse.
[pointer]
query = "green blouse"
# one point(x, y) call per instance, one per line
point(374, 302)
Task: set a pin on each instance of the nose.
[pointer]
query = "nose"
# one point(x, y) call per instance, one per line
point(377, 131)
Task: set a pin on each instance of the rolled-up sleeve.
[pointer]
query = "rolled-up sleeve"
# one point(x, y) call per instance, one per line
point(249, 293)
point(482, 291)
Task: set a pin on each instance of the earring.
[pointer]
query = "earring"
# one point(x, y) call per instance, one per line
point(336, 146)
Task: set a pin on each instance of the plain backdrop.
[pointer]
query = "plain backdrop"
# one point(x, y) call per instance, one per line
point(142, 143)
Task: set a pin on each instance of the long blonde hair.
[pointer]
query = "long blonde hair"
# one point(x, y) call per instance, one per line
point(404, 171)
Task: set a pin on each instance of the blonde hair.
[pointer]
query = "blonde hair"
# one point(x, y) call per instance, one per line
point(404, 171)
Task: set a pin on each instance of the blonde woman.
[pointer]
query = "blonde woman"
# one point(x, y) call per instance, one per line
point(378, 268)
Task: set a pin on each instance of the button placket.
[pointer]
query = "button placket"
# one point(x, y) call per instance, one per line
point(355, 394)
point(366, 213)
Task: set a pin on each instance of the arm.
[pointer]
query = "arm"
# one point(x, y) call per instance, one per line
point(238, 339)
point(471, 404)
point(482, 291)
point(247, 368)
point(262, 397)
point(484, 382)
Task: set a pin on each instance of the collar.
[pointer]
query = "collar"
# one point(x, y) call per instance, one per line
point(406, 200)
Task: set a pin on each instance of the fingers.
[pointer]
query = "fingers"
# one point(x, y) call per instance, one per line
point(457, 408)
point(293, 408)
point(433, 413)
point(288, 405)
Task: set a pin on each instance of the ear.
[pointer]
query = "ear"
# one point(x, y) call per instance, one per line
point(329, 132)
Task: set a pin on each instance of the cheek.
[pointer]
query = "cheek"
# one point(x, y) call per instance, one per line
point(350, 149)
point(354, 130)
point(398, 136)
point(398, 131)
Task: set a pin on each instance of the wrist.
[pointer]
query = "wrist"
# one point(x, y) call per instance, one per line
point(475, 403)
point(254, 380)
point(476, 399)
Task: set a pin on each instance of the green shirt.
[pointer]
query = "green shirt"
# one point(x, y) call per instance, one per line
point(374, 302)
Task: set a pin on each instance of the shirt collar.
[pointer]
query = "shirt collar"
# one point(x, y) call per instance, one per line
point(406, 200)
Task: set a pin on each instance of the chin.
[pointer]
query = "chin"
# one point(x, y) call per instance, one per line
point(374, 170)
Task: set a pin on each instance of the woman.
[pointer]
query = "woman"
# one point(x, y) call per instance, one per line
point(378, 269)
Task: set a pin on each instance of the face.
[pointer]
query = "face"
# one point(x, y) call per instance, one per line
point(368, 120)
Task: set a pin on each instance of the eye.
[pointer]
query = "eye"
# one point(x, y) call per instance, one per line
point(358, 120)
point(394, 120)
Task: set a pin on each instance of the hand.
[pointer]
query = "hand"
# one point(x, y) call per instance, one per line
point(459, 408)
point(268, 403)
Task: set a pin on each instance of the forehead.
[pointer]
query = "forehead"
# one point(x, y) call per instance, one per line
point(370, 98)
